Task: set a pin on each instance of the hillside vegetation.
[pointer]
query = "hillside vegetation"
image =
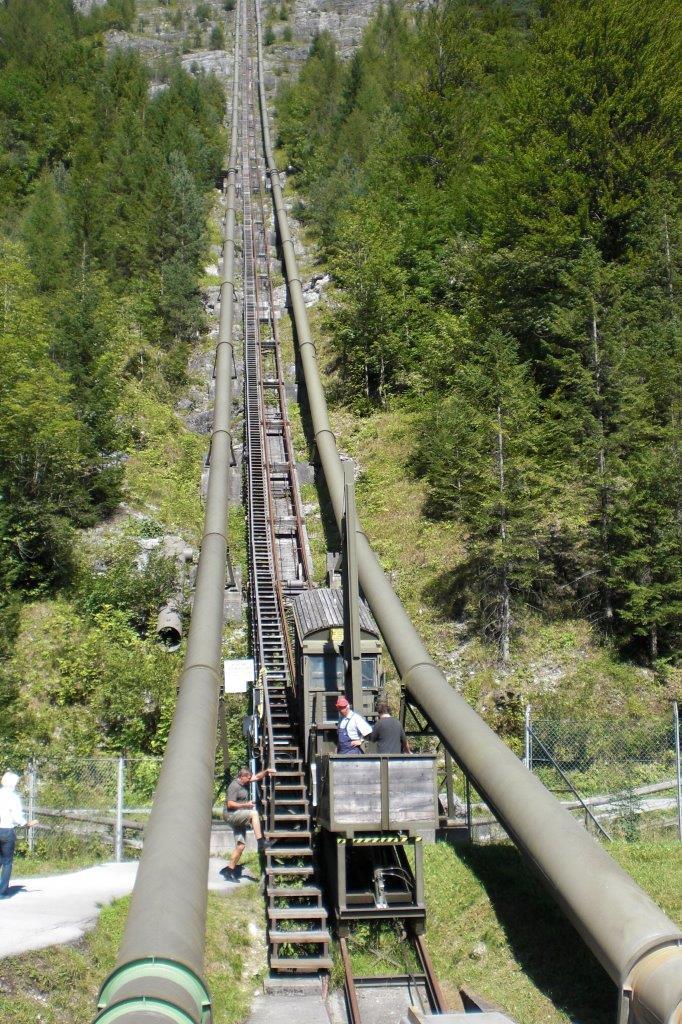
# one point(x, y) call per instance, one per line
point(495, 191)
point(104, 230)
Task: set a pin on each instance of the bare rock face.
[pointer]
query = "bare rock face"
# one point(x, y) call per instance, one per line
point(85, 6)
point(216, 62)
point(345, 20)
point(147, 47)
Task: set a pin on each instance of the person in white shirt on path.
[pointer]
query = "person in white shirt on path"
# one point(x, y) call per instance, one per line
point(11, 816)
point(353, 729)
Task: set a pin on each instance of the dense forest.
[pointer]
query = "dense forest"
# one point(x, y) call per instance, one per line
point(103, 226)
point(495, 189)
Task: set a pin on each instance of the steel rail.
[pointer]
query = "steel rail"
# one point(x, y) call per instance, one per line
point(435, 991)
point(636, 943)
point(349, 983)
point(158, 976)
point(427, 980)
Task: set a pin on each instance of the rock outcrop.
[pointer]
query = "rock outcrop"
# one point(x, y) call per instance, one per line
point(85, 6)
point(344, 19)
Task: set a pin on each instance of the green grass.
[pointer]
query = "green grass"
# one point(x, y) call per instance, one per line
point(59, 985)
point(163, 472)
point(56, 861)
point(492, 927)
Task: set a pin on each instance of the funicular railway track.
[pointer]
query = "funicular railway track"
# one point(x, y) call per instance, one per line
point(421, 989)
point(280, 568)
point(158, 976)
point(298, 938)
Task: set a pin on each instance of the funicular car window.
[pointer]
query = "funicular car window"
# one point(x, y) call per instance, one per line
point(369, 673)
point(325, 671)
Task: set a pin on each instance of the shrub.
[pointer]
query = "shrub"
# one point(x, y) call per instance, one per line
point(113, 580)
point(217, 38)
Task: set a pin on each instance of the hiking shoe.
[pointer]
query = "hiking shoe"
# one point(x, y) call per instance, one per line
point(229, 874)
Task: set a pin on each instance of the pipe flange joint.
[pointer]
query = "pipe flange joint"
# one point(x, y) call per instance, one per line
point(173, 1014)
point(166, 970)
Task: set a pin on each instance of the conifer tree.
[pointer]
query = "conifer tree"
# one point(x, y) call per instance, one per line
point(484, 451)
point(46, 234)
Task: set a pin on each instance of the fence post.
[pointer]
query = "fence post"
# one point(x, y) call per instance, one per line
point(678, 762)
point(528, 753)
point(120, 787)
point(448, 786)
point(467, 791)
point(31, 803)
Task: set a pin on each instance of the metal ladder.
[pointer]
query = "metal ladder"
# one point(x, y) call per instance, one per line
point(298, 937)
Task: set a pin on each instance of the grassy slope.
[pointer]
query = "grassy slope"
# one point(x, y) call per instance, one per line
point(561, 664)
point(491, 927)
point(59, 985)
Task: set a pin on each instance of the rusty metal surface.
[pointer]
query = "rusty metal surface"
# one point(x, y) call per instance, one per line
point(351, 992)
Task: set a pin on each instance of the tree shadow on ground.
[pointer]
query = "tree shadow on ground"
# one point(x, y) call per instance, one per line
point(545, 945)
point(448, 592)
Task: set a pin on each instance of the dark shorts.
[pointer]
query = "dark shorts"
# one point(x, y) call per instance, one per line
point(239, 821)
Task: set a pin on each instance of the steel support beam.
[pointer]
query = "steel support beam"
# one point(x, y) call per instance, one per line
point(352, 651)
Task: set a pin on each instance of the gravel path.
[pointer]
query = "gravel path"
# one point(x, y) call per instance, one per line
point(49, 911)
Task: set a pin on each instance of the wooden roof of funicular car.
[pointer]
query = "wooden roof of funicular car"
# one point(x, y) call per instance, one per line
point(322, 609)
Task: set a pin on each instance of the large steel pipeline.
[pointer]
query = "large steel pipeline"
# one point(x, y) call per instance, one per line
point(158, 977)
point(636, 943)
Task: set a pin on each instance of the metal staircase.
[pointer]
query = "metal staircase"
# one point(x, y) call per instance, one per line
point(298, 936)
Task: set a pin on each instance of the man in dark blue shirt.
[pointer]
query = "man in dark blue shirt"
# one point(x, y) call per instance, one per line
point(388, 733)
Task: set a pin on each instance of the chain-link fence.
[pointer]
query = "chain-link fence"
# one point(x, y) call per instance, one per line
point(88, 806)
point(621, 775)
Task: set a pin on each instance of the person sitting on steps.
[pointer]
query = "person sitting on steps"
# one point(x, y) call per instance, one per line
point(240, 813)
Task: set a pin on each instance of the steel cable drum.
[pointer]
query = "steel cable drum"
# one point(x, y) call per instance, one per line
point(637, 944)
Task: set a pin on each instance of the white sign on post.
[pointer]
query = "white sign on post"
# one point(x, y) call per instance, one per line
point(239, 672)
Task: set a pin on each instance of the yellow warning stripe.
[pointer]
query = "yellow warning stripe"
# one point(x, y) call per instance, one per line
point(384, 840)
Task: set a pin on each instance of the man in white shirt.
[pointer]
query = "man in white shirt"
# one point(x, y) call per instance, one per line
point(353, 729)
point(11, 816)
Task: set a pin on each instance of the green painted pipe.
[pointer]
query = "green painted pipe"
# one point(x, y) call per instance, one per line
point(623, 927)
point(158, 978)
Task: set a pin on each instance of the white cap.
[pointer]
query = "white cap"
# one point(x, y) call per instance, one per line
point(9, 780)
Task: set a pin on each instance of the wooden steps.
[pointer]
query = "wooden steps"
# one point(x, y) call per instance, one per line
point(306, 964)
point(315, 937)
